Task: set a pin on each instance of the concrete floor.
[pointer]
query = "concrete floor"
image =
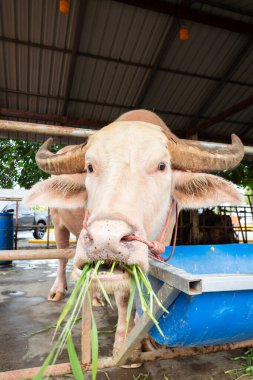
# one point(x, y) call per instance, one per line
point(24, 310)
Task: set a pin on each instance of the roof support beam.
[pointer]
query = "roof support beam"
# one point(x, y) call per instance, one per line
point(95, 124)
point(51, 118)
point(246, 103)
point(233, 67)
point(76, 43)
point(245, 131)
point(119, 61)
point(162, 52)
point(226, 7)
point(200, 17)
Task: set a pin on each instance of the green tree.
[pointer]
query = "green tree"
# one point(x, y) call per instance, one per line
point(241, 176)
point(18, 165)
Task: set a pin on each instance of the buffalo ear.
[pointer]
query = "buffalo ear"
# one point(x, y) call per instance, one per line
point(63, 191)
point(197, 190)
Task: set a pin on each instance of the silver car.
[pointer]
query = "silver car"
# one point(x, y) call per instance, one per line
point(27, 218)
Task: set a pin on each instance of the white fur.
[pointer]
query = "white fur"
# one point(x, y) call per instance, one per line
point(63, 191)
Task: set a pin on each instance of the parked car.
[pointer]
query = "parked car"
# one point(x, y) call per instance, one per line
point(27, 217)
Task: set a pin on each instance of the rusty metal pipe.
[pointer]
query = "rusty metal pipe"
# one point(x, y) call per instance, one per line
point(108, 362)
point(23, 226)
point(37, 254)
point(52, 130)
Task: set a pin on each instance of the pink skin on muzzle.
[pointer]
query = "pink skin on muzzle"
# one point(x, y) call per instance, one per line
point(104, 240)
point(116, 240)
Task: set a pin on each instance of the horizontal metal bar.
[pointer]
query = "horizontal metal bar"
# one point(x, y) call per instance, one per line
point(247, 149)
point(22, 226)
point(182, 12)
point(97, 123)
point(52, 118)
point(18, 199)
point(178, 278)
point(120, 61)
point(194, 284)
point(226, 282)
point(51, 130)
point(37, 254)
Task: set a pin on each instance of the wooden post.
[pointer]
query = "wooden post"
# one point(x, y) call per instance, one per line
point(86, 333)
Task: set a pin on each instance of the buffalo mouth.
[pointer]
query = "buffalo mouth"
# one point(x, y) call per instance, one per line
point(107, 267)
point(129, 253)
point(114, 277)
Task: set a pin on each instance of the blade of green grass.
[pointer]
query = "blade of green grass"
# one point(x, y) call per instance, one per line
point(151, 302)
point(103, 290)
point(108, 331)
point(73, 307)
point(43, 330)
point(147, 284)
point(127, 269)
point(144, 305)
point(94, 343)
point(143, 302)
point(151, 316)
point(46, 363)
point(72, 299)
point(58, 346)
point(113, 266)
point(74, 361)
point(130, 303)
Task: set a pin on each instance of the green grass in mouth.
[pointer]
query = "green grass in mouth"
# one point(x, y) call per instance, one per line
point(72, 309)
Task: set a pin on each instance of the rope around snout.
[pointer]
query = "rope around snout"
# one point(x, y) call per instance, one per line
point(156, 247)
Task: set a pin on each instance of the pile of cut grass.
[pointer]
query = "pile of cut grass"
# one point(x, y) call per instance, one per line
point(245, 370)
point(72, 309)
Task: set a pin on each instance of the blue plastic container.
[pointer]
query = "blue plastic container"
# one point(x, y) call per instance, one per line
point(212, 317)
point(6, 233)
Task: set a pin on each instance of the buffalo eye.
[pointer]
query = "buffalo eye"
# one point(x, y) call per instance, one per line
point(162, 166)
point(90, 168)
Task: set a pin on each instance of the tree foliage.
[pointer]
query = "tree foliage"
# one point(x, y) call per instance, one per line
point(18, 165)
point(241, 176)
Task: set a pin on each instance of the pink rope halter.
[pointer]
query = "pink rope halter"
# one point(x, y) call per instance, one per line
point(156, 247)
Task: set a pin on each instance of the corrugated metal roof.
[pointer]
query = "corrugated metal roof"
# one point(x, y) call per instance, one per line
point(125, 57)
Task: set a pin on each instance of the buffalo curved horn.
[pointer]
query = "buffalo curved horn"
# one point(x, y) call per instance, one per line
point(68, 162)
point(204, 157)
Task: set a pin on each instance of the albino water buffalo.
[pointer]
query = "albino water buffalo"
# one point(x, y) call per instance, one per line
point(126, 176)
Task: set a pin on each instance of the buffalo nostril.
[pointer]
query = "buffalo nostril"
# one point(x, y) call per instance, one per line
point(127, 238)
point(89, 237)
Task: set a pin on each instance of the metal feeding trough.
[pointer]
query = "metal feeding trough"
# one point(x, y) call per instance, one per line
point(215, 302)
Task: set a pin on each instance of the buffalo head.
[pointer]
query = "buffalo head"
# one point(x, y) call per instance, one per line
point(129, 171)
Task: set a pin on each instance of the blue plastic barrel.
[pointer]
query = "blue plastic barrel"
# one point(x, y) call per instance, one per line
point(6, 233)
point(213, 317)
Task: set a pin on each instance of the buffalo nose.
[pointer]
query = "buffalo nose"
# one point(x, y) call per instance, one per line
point(107, 234)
